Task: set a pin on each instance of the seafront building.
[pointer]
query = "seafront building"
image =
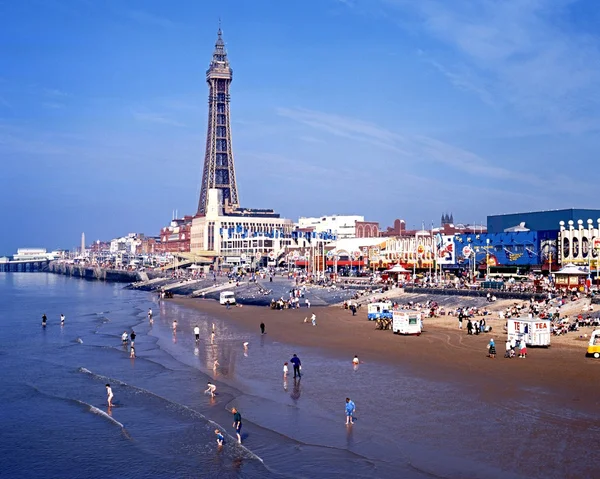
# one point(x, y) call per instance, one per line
point(342, 226)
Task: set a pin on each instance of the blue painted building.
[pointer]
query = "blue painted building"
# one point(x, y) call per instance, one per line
point(504, 252)
point(539, 220)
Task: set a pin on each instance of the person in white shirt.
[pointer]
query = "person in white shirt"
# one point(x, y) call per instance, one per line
point(124, 337)
point(197, 333)
point(62, 319)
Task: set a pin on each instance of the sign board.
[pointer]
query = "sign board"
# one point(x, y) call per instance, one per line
point(420, 250)
point(596, 243)
point(445, 251)
point(466, 251)
point(356, 254)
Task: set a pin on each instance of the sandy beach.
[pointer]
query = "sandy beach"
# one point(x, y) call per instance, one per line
point(442, 352)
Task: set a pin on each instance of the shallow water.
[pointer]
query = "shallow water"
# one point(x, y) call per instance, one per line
point(55, 420)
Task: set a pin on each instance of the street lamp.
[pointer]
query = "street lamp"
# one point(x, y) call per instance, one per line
point(487, 259)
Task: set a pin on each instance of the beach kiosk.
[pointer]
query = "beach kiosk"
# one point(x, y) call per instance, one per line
point(407, 322)
point(381, 310)
point(536, 332)
point(571, 277)
point(593, 349)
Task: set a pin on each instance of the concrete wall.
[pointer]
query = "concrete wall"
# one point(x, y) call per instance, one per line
point(101, 274)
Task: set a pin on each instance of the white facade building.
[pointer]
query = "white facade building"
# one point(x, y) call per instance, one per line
point(339, 225)
point(239, 237)
point(125, 244)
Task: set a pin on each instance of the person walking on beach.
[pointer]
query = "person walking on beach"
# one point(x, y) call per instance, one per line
point(62, 319)
point(44, 319)
point(212, 338)
point(469, 327)
point(522, 348)
point(109, 395)
point(296, 364)
point(150, 314)
point(124, 338)
point(262, 328)
point(313, 319)
point(492, 349)
point(132, 351)
point(508, 349)
point(350, 410)
point(197, 333)
point(285, 369)
point(174, 325)
point(355, 360)
point(211, 389)
point(237, 423)
point(132, 337)
point(460, 319)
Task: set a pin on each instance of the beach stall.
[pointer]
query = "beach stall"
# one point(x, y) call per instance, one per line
point(593, 349)
point(407, 322)
point(537, 332)
point(381, 310)
point(397, 271)
point(571, 277)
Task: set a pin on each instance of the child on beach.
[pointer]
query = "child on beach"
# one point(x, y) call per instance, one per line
point(132, 352)
point(109, 395)
point(285, 369)
point(124, 337)
point(350, 409)
point(313, 319)
point(150, 315)
point(355, 361)
point(197, 333)
point(44, 320)
point(211, 389)
point(220, 437)
point(174, 325)
point(212, 338)
point(215, 365)
point(62, 319)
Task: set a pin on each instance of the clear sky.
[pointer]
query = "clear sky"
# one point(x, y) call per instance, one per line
point(385, 108)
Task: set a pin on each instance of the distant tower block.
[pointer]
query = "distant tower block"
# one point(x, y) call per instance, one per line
point(219, 170)
point(82, 243)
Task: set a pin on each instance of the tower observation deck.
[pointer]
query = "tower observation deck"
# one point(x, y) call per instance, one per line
point(219, 169)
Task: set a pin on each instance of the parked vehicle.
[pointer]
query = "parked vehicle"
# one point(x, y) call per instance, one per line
point(227, 297)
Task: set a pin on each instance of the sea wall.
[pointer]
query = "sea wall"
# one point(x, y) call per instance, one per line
point(475, 293)
point(97, 273)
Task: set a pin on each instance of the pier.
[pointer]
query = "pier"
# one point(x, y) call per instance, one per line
point(23, 266)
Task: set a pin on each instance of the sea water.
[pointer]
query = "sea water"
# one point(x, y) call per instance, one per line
point(55, 421)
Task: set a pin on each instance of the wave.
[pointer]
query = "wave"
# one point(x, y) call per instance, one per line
point(93, 409)
point(188, 409)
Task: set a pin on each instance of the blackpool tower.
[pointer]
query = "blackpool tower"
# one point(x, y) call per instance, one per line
point(219, 170)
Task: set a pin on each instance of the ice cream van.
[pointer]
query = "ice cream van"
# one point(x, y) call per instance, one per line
point(407, 322)
point(593, 349)
point(379, 310)
point(537, 332)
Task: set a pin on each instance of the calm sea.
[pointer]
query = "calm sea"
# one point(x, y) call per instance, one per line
point(55, 422)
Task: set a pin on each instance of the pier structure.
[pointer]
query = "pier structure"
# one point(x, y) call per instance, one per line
point(26, 260)
point(219, 171)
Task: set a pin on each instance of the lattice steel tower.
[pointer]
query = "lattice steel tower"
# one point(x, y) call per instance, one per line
point(219, 170)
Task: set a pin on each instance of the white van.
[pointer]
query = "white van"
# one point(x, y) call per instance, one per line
point(407, 322)
point(227, 297)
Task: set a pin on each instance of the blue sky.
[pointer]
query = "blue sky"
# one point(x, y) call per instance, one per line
point(385, 108)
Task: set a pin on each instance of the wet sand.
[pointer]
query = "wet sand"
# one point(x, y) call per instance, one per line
point(442, 352)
